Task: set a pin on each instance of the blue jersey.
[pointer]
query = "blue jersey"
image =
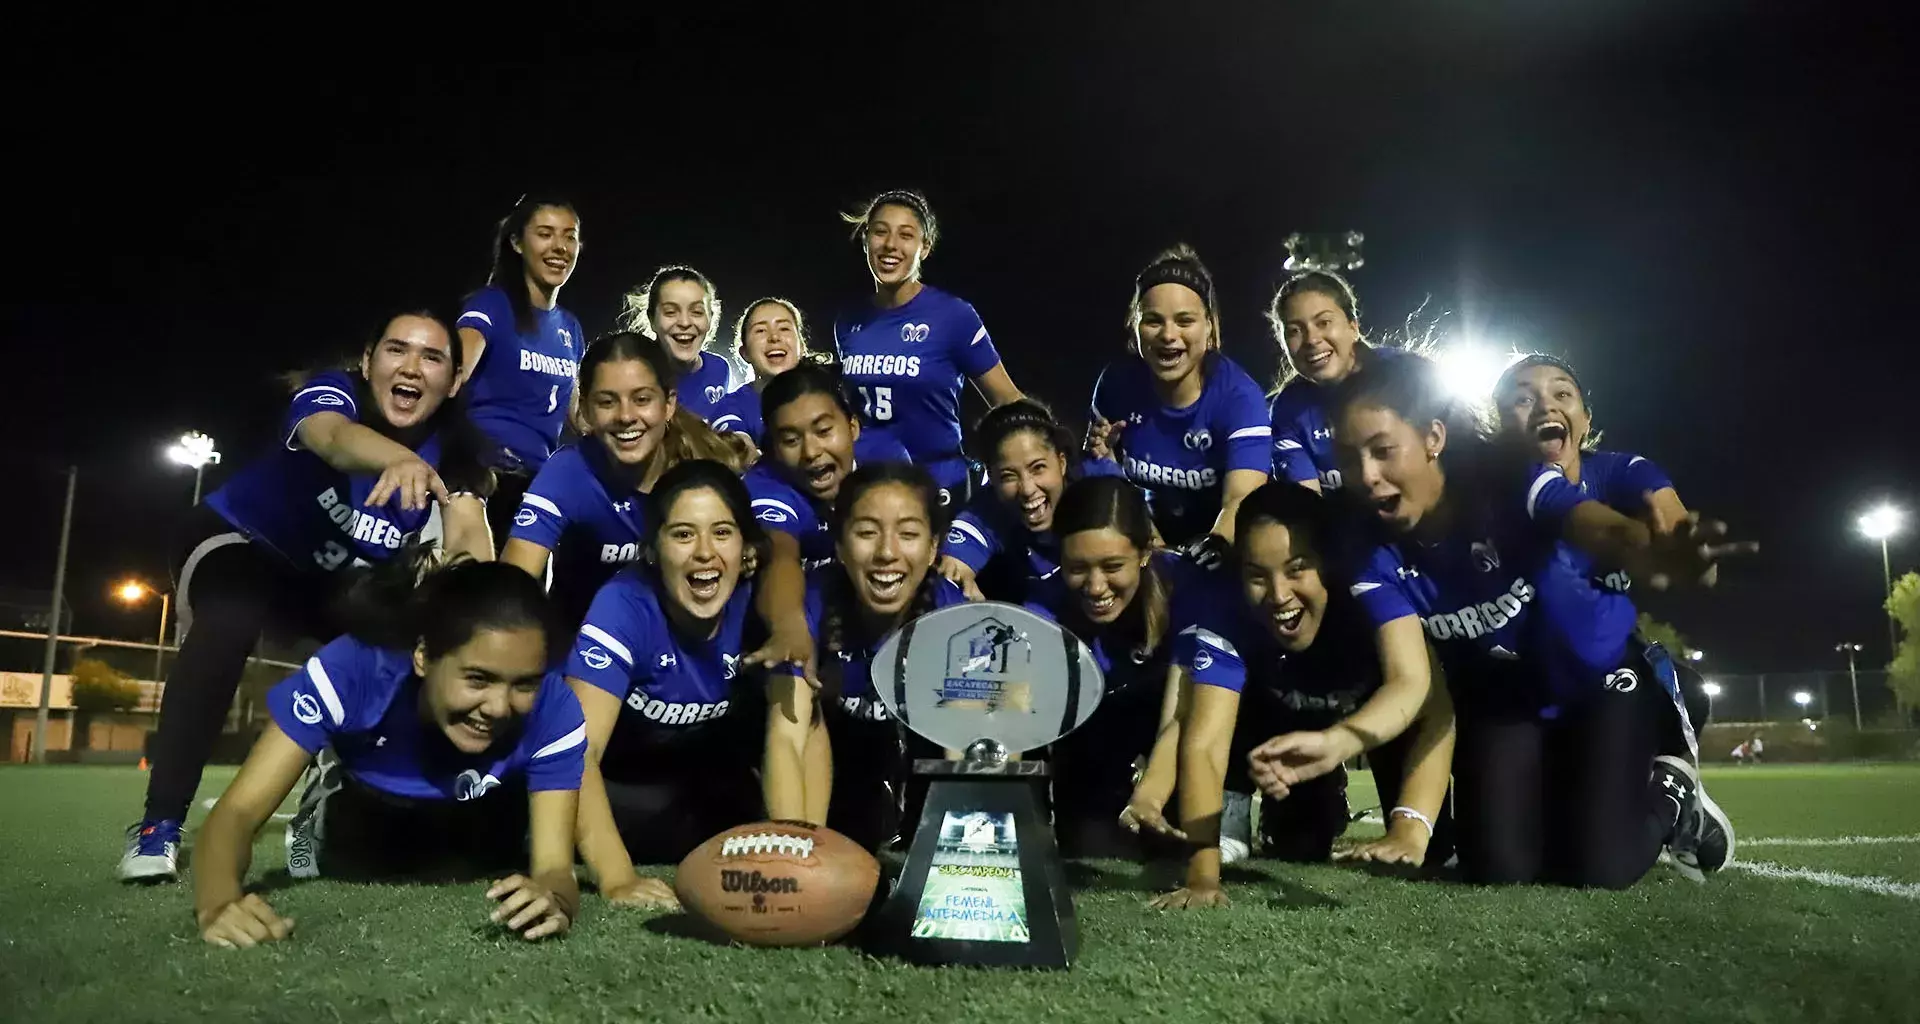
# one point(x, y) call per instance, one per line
point(364, 702)
point(1302, 435)
point(1511, 607)
point(700, 390)
point(987, 529)
point(1234, 648)
point(520, 393)
point(676, 688)
point(909, 364)
point(1620, 482)
point(579, 509)
point(781, 505)
point(1181, 457)
point(856, 694)
point(739, 412)
point(313, 515)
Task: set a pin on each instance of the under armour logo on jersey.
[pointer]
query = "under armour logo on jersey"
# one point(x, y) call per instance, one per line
point(379, 741)
point(1136, 418)
point(1407, 572)
point(1322, 433)
point(306, 708)
point(667, 660)
point(1198, 440)
point(623, 506)
point(1485, 558)
point(715, 393)
point(914, 332)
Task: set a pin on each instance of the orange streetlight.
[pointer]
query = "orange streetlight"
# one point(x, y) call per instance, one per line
point(133, 592)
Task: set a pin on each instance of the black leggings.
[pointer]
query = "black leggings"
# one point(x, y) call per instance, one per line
point(509, 486)
point(231, 591)
point(1566, 801)
point(868, 771)
point(347, 830)
point(662, 818)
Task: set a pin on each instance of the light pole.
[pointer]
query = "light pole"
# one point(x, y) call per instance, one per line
point(196, 451)
point(1853, 678)
point(1880, 523)
point(53, 622)
point(133, 592)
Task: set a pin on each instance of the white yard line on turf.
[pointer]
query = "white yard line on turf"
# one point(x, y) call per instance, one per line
point(1832, 841)
point(1864, 883)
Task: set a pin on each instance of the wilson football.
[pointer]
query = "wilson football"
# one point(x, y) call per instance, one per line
point(778, 883)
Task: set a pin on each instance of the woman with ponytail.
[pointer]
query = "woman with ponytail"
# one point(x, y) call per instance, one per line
point(836, 758)
point(1006, 532)
point(583, 514)
point(444, 745)
point(520, 346)
point(1186, 423)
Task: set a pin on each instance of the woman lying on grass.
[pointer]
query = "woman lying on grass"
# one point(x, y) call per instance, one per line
point(441, 737)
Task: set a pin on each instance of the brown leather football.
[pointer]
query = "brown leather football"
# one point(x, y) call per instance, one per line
point(778, 883)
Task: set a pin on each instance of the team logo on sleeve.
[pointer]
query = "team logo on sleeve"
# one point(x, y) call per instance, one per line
point(769, 514)
point(326, 399)
point(914, 332)
point(525, 517)
point(306, 708)
point(471, 785)
point(1202, 660)
point(596, 658)
point(1197, 440)
point(954, 536)
point(1485, 558)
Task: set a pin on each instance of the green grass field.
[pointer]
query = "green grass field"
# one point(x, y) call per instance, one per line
point(1824, 933)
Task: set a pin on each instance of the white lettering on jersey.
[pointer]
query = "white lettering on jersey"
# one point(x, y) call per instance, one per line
point(674, 714)
point(540, 362)
point(1477, 620)
point(364, 527)
point(881, 366)
point(615, 554)
point(1141, 471)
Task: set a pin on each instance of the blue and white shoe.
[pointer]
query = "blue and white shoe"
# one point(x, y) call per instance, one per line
point(153, 852)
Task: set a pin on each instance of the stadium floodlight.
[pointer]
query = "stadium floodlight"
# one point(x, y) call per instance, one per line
point(1802, 698)
point(1470, 369)
point(196, 451)
point(1880, 523)
point(1696, 656)
point(1712, 688)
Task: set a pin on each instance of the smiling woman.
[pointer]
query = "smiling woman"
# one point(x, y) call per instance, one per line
point(366, 462)
point(656, 668)
point(521, 347)
point(679, 309)
point(444, 741)
point(1184, 422)
point(771, 336)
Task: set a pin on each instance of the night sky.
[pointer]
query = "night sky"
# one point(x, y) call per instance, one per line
point(1709, 211)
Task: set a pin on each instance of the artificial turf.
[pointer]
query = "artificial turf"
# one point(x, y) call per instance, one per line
point(1319, 943)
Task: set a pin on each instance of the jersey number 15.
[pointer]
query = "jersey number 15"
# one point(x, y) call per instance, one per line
point(879, 403)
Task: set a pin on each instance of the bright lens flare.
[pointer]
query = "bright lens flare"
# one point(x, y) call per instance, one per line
point(1470, 370)
point(194, 450)
point(132, 591)
point(1712, 688)
point(1882, 522)
point(1802, 698)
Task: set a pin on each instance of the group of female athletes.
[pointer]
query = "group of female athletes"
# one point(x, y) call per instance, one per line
point(613, 648)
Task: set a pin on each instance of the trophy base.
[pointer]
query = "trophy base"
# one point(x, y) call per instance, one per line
point(983, 884)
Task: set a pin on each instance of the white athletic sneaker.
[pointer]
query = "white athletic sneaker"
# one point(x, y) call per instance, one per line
point(153, 852)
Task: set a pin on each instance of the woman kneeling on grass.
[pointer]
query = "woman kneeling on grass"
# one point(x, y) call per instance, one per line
point(441, 735)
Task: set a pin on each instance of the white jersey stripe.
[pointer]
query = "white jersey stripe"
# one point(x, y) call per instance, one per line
point(542, 504)
point(605, 639)
point(968, 528)
point(324, 686)
point(564, 743)
point(1250, 432)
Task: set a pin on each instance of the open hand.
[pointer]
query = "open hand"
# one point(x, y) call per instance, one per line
point(1190, 898)
point(644, 893)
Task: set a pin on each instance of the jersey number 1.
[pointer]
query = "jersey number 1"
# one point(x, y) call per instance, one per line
point(879, 402)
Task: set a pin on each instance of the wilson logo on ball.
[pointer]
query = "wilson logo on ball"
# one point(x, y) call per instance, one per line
point(755, 882)
point(767, 842)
